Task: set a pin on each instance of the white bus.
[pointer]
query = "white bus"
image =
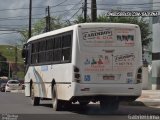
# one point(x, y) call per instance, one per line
point(88, 62)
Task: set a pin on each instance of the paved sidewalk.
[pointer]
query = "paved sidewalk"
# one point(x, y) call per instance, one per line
point(150, 98)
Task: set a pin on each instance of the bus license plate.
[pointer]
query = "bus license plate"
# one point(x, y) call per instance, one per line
point(108, 77)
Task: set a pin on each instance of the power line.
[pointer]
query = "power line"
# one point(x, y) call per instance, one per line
point(124, 5)
point(11, 25)
point(109, 9)
point(18, 19)
point(127, 4)
point(139, 7)
point(66, 5)
point(14, 25)
point(74, 14)
point(24, 17)
point(8, 30)
point(67, 11)
point(61, 4)
point(129, 8)
point(41, 7)
point(57, 11)
point(8, 33)
point(8, 18)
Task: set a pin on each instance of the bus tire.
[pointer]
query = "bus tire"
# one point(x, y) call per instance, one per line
point(109, 105)
point(57, 104)
point(83, 103)
point(34, 100)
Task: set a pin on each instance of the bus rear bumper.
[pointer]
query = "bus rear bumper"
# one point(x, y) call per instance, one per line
point(100, 91)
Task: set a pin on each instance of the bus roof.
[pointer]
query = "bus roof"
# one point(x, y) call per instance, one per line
point(69, 28)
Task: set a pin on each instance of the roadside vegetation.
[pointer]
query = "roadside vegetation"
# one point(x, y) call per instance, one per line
point(8, 56)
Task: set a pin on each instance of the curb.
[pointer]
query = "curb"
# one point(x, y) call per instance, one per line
point(17, 91)
point(150, 102)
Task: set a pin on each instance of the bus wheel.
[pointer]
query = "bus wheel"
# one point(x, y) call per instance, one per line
point(83, 103)
point(34, 100)
point(57, 104)
point(109, 105)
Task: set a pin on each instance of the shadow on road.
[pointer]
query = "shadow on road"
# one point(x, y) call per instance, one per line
point(134, 103)
point(124, 109)
point(46, 105)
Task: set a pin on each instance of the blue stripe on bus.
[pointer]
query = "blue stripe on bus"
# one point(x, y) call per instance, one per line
point(38, 81)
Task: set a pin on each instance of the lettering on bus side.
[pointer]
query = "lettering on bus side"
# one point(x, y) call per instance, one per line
point(98, 34)
point(124, 59)
point(44, 68)
point(125, 37)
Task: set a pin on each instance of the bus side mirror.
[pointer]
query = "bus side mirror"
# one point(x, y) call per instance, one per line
point(25, 55)
point(24, 51)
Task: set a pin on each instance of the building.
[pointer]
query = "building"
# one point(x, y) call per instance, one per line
point(156, 47)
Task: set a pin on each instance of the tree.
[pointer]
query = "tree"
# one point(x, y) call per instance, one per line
point(3, 66)
point(143, 24)
point(40, 27)
point(80, 19)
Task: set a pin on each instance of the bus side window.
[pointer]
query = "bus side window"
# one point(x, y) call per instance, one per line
point(49, 50)
point(66, 48)
point(34, 52)
point(57, 49)
point(41, 52)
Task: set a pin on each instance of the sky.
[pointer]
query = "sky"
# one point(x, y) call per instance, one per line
point(14, 13)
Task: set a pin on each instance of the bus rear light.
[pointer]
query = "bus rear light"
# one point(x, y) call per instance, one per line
point(140, 70)
point(139, 81)
point(76, 69)
point(139, 75)
point(76, 75)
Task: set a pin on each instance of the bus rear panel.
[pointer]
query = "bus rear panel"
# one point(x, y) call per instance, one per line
point(109, 61)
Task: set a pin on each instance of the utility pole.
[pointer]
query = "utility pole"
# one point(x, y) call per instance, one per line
point(30, 20)
point(48, 24)
point(85, 10)
point(93, 10)
point(16, 59)
point(9, 70)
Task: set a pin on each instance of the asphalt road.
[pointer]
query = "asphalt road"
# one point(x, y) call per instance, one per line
point(18, 104)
